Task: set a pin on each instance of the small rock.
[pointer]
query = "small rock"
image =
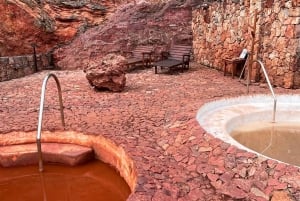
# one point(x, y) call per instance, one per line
point(271, 163)
point(204, 149)
point(263, 175)
point(161, 195)
point(259, 193)
point(273, 182)
point(281, 196)
point(227, 177)
point(217, 184)
point(217, 151)
point(184, 189)
point(231, 150)
point(234, 192)
point(251, 171)
point(281, 186)
point(165, 146)
point(159, 176)
point(243, 172)
point(280, 167)
point(243, 184)
point(192, 138)
point(212, 177)
point(217, 161)
point(196, 194)
point(178, 157)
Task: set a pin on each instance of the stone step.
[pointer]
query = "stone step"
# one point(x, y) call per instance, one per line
point(26, 154)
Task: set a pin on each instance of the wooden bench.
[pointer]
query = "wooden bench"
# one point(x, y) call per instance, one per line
point(140, 55)
point(177, 56)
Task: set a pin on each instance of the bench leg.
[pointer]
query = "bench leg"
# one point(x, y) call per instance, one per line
point(233, 70)
point(224, 68)
point(155, 69)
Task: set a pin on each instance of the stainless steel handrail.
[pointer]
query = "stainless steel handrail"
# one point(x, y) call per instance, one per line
point(39, 129)
point(269, 84)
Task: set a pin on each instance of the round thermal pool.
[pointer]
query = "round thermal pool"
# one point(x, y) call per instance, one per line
point(77, 166)
point(246, 122)
point(94, 180)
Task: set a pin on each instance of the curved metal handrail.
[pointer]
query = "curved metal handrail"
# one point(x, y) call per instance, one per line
point(270, 87)
point(39, 129)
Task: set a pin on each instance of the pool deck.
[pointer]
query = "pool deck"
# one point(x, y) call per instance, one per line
point(154, 120)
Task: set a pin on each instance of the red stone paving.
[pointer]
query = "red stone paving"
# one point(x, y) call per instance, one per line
point(154, 121)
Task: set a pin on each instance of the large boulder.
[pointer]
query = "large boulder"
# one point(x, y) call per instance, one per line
point(109, 73)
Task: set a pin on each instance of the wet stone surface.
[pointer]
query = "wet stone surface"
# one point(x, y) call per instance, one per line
point(27, 154)
point(153, 119)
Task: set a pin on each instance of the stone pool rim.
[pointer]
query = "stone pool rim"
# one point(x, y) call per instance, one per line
point(220, 117)
point(105, 149)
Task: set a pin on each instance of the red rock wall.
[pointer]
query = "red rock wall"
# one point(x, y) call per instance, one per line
point(20, 66)
point(159, 25)
point(45, 23)
point(222, 31)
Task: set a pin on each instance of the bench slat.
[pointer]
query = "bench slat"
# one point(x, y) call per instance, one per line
point(175, 57)
point(137, 56)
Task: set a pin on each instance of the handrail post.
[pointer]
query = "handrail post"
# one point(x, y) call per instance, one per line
point(248, 76)
point(39, 129)
point(274, 110)
point(270, 87)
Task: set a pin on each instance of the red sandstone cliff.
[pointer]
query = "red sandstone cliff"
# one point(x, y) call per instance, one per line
point(45, 22)
point(67, 28)
point(131, 25)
